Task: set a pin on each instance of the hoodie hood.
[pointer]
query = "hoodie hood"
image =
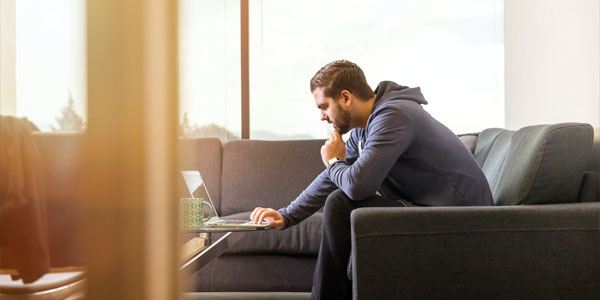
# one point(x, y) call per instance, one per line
point(391, 91)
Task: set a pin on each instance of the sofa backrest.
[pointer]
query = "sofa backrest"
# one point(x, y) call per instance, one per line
point(62, 155)
point(267, 173)
point(541, 164)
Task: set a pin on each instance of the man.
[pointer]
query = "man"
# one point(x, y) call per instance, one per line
point(397, 155)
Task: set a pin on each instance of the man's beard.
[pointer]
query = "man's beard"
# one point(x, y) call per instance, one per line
point(343, 125)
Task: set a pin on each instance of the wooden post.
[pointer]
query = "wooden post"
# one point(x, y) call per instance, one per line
point(130, 225)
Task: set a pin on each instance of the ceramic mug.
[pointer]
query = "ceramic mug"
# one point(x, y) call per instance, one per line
point(192, 213)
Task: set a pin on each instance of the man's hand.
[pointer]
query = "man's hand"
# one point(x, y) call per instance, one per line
point(272, 216)
point(334, 147)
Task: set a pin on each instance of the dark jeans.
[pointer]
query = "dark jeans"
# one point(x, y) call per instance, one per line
point(330, 280)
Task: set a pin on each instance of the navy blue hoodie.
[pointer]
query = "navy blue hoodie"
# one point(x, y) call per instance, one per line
point(405, 154)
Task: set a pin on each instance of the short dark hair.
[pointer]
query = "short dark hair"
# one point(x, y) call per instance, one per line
point(341, 75)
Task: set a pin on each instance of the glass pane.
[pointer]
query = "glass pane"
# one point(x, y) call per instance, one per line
point(209, 68)
point(51, 64)
point(453, 50)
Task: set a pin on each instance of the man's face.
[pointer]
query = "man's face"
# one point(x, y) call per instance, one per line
point(332, 111)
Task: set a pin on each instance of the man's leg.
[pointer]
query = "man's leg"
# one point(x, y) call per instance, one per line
point(330, 280)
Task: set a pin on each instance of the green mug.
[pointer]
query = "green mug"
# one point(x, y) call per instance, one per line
point(192, 213)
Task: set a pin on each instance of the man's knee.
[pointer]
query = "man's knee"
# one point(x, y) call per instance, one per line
point(336, 200)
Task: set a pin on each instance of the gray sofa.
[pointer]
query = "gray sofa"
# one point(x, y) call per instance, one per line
point(539, 241)
point(513, 250)
point(241, 175)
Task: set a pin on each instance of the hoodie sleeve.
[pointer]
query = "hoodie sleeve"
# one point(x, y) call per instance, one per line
point(309, 201)
point(389, 134)
point(314, 196)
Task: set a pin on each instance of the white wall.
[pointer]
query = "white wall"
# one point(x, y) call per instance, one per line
point(552, 62)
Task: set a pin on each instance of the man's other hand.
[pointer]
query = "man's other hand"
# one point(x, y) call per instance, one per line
point(272, 216)
point(334, 147)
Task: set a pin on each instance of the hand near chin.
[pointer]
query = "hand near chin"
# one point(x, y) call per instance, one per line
point(333, 147)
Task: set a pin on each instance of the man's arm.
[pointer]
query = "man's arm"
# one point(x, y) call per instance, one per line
point(389, 135)
point(309, 201)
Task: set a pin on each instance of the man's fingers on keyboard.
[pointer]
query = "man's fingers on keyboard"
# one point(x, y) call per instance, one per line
point(257, 216)
point(255, 213)
point(261, 217)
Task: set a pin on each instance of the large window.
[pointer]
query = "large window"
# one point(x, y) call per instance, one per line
point(453, 50)
point(209, 56)
point(50, 64)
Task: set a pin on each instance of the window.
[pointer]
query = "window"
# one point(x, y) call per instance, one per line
point(209, 68)
point(51, 89)
point(453, 50)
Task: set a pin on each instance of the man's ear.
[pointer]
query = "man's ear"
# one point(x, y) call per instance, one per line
point(346, 97)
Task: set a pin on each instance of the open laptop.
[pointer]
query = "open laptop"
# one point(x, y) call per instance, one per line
point(197, 189)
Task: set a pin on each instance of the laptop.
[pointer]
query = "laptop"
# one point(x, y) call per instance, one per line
point(197, 189)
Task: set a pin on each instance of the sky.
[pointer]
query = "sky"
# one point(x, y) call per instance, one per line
point(453, 50)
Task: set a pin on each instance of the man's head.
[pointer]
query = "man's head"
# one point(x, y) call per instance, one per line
point(340, 88)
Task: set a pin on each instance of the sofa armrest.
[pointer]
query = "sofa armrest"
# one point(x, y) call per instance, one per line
point(546, 251)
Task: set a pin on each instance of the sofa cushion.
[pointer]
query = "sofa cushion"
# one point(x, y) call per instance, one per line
point(536, 164)
point(594, 163)
point(302, 239)
point(267, 173)
point(255, 273)
point(495, 156)
point(590, 187)
point(204, 155)
point(484, 144)
point(469, 140)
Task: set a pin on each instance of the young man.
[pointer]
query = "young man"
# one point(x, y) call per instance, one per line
point(397, 155)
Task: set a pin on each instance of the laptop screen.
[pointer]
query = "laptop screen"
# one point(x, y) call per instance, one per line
point(196, 187)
